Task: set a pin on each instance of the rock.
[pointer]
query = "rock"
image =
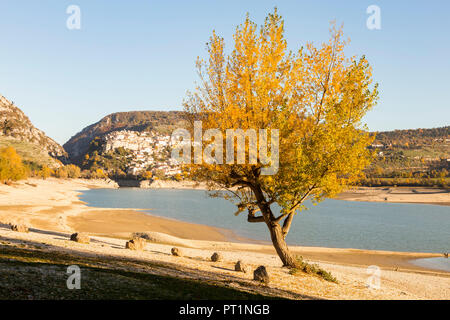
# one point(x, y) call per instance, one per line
point(80, 237)
point(176, 252)
point(19, 228)
point(261, 275)
point(241, 267)
point(137, 244)
point(216, 257)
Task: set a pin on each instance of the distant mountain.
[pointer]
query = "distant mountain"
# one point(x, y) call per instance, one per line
point(415, 136)
point(31, 143)
point(162, 122)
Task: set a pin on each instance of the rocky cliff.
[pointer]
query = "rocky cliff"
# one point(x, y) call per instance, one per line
point(16, 126)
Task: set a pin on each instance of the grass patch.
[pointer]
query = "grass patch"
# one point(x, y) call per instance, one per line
point(36, 274)
point(314, 269)
point(28, 151)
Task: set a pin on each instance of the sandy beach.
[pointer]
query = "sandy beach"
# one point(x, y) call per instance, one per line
point(435, 196)
point(52, 209)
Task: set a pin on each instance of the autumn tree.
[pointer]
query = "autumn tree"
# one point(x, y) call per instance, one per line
point(11, 166)
point(315, 98)
point(73, 171)
point(45, 172)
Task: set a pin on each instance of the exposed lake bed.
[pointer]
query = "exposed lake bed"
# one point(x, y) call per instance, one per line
point(53, 210)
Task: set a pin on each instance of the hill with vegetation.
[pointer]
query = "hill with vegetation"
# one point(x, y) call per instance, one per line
point(162, 122)
point(32, 144)
point(411, 157)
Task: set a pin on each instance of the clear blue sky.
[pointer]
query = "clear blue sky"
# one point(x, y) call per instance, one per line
point(140, 55)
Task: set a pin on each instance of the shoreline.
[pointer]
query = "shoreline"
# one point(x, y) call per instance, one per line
point(73, 215)
point(409, 195)
point(53, 206)
point(406, 195)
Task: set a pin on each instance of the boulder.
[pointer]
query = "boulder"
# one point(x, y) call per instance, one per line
point(137, 244)
point(19, 228)
point(176, 252)
point(261, 275)
point(80, 237)
point(216, 257)
point(241, 267)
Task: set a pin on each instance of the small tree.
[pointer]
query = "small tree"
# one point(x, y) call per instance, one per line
point(61, 173)
point(315, 97)
point(147, 175)
point(11, 166)
point(45, 172)
point(73, 171)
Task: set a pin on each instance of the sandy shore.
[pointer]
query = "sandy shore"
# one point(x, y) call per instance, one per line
point(54, 211)
point(417, 195)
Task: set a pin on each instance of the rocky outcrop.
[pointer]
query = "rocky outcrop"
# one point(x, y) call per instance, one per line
point(216, 257)
point(15, 124)
point(241, 267)
point(176, 252)
point(261, 275)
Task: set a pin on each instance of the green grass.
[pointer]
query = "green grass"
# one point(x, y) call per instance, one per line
point(28, 151)
point(34, 274)
point(314, 269)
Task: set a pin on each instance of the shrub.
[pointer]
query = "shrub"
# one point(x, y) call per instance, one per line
point(314, 269)
point(98, 174)
point(45, 172)
point(73, 171)
point(61, 173)
point(11, 166)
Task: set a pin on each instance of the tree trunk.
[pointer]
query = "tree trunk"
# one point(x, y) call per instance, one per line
point(276, 233)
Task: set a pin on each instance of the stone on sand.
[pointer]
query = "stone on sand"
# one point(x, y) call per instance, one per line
point(137, 244)
point(216, 257)
point(261, 275)
point(80, 237)
point(19, 228)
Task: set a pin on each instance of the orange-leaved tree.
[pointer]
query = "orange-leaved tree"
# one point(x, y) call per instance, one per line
point(315, 97)
point(11, 166)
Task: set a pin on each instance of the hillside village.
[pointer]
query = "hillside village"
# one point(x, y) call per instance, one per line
point(148, 152)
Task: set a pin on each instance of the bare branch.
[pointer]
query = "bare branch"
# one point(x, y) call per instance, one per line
point(251, 216)
point(287, 224)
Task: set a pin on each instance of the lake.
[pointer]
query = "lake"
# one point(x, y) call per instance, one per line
point(332, 223)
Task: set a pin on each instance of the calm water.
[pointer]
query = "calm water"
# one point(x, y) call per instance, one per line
point(332, 223)
point(441, 263)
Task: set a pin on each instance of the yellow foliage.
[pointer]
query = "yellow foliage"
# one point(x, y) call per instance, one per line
point(73, 171)
point(147, 175)
point(316, 97)
point(45, 172)
point(11, 166)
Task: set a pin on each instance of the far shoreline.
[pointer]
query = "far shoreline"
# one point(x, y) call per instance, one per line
point(410, 195)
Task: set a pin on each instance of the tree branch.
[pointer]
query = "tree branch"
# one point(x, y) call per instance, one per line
point(287, 224)
point(251, 216)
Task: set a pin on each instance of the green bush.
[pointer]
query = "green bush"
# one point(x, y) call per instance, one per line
point(314, 269)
